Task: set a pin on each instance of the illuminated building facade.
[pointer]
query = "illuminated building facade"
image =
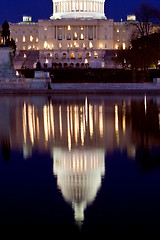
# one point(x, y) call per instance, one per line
point(78, 33)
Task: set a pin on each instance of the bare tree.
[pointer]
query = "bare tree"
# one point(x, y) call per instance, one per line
point(146, 15)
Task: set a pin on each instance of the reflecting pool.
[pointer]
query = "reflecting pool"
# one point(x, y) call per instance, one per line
point(86, 164)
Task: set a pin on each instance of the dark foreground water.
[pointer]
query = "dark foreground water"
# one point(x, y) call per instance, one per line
point(81, 165)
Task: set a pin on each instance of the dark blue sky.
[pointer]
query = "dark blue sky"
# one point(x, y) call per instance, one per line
point(13, 10)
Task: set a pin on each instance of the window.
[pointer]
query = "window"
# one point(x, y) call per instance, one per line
point(81, 36)
point(45, 29)
point(36, 39)
point(105, 36)
point(90, 45)
point(31, 38)
point(95, 55)
point(64, 56)
point(60, 45)
point(117, 30)
point(69, 37)
point(56, 55)
point(72, 55)
point(24, 39)
point(75, 36)
point(79, 55)
point(90, 37)
point(60, 36)
point(69, 27)
point(45, 44)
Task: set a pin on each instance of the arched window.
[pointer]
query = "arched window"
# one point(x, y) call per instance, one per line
point(80, 55)
point(72, 55)
point(64, 56)
point(56, 55)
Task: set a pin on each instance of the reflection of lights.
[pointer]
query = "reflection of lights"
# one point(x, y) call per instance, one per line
point(60, 120)
point(86, 110)
point(68, 129)
point(116, 123)
point(45, 122)
point(52, 119)
point(30, 123)
point(24, 116)
point(91, 120)
point(76, 123)
point(124, 118)
point(37, 123)
point(145, 103)
point(101, 121)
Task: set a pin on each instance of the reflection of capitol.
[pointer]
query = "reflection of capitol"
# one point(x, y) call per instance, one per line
point(62, 125)
point(79, 175)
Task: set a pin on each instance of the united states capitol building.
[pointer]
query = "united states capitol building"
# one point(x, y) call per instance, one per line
point(77, 34)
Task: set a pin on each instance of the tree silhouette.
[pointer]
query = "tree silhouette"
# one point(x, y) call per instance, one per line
point(5, 32)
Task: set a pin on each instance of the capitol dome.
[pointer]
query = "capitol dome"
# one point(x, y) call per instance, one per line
point(78, 9)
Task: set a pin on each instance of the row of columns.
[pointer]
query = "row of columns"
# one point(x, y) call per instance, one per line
point(78, 6)
point(86, 30)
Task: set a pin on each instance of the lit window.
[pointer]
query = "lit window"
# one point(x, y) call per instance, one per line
point(75, 35)
point(101, 45)
point(84, 45)
point(81, 36)
point(36, 39)
point(24, 55)
point(117, 30)
point(31, 38)
point(24, 38)
point(45, 44)
point(29, 47)
point(90, 45)
point(79, 55)
point(81, 27)
point(116, 46)
point(95, 55)
point(24, 48)
point(45, 29)
point(16, 40)
point(60, 45)
point(117, 39)
point(72, 56)
point(69, 27)
point(124, 46)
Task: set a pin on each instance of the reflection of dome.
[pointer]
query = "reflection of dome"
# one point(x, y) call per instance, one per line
point(79, 175)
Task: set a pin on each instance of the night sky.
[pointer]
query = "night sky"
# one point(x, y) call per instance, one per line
point(13, 10)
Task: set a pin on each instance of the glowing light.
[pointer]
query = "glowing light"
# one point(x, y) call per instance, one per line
point(116, 123)
point(31, 38)
point(124, 46)
point(91, 120)
point(124, 118)
point(145, 104)
point(24, 39)
point(68, 128)
point(24, 117)
point(101, 121)
point(30, 123)
point(69, 27)
point(60, 120)
point(45, 44)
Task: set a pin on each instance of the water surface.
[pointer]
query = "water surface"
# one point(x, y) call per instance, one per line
point(80, 163)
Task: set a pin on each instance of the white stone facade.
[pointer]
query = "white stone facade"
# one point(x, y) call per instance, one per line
point(78, 9)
